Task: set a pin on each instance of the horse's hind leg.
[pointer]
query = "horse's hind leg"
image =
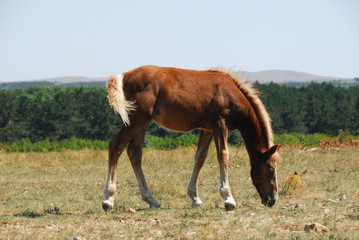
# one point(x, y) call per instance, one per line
point(220, 138)
point(134, 152)
point(116, 147)
point(201, 154)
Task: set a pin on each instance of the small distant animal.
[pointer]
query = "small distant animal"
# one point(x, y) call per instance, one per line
point(355, 142)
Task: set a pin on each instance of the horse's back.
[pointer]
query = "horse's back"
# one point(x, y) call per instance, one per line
point(181, 99)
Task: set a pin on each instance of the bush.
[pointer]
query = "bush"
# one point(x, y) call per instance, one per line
point(235, 138)
point(185, 140)
point(304, 140)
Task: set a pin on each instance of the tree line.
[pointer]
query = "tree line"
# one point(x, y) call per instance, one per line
point(316, 108)
point(58, 113)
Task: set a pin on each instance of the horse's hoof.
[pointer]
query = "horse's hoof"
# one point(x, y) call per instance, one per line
point(229, 206)
point(158, 205)
point(196, 204)
point(155, 204)
point(106, 206)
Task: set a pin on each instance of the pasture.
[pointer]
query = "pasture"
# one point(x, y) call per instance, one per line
point(58, 195)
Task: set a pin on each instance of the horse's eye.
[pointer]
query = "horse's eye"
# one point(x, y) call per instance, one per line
point(271, 172)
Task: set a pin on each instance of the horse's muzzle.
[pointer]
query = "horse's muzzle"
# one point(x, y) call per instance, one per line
point(269, 200)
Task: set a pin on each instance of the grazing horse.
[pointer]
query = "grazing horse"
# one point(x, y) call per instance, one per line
point(216, 101)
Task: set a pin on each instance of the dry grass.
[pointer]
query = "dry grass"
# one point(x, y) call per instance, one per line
point(58, 195)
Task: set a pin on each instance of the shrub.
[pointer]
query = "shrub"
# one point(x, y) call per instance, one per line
point(166, 142)
point(25, 145)
point(235, 138)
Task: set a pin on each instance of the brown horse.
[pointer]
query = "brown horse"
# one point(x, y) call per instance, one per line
point(215, 101)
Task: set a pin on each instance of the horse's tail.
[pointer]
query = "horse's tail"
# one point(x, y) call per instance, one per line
point(116, 98)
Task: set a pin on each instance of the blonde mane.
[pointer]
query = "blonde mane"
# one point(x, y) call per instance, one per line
point(252, 95)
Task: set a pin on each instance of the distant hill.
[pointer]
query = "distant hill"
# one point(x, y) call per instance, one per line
point(284, 76)
point(70, 79)
point(52, 82)
point(291, 78)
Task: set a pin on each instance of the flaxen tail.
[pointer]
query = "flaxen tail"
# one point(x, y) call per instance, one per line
point(117, 100)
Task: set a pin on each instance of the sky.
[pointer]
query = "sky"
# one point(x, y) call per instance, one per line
point(92, 38)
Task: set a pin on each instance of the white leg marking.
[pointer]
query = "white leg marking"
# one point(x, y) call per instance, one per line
point(109, 192)
point(200, 156)
point(192, 191)
point(144, 189)
point(224, 188)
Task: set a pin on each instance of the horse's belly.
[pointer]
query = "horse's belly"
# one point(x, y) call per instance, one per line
point(177, 121)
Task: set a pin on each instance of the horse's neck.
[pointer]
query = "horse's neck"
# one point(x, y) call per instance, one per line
point(253, 135)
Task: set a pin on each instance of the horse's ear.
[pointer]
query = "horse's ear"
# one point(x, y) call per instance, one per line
point(272, 150)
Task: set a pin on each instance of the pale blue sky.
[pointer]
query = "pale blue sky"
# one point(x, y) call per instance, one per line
point(54, 38)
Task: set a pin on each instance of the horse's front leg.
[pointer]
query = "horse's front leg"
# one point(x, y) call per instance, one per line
point(116, 147)
point(201, 154)
point(220, 138)
point(134, 152)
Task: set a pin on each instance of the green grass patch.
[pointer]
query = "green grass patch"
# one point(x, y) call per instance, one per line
point(155, 142)
point(300, 139)
point(46, 145)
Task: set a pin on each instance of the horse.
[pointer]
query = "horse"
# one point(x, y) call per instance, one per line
point(215, 101)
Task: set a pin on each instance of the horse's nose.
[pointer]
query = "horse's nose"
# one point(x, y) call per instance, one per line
point(269, 202)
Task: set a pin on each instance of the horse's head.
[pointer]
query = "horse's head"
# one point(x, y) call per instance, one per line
point(264, 175)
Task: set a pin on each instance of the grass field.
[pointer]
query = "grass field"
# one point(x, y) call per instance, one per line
point(58, 195)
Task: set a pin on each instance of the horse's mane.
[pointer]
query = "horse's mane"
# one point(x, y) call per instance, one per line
point(252, 96)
